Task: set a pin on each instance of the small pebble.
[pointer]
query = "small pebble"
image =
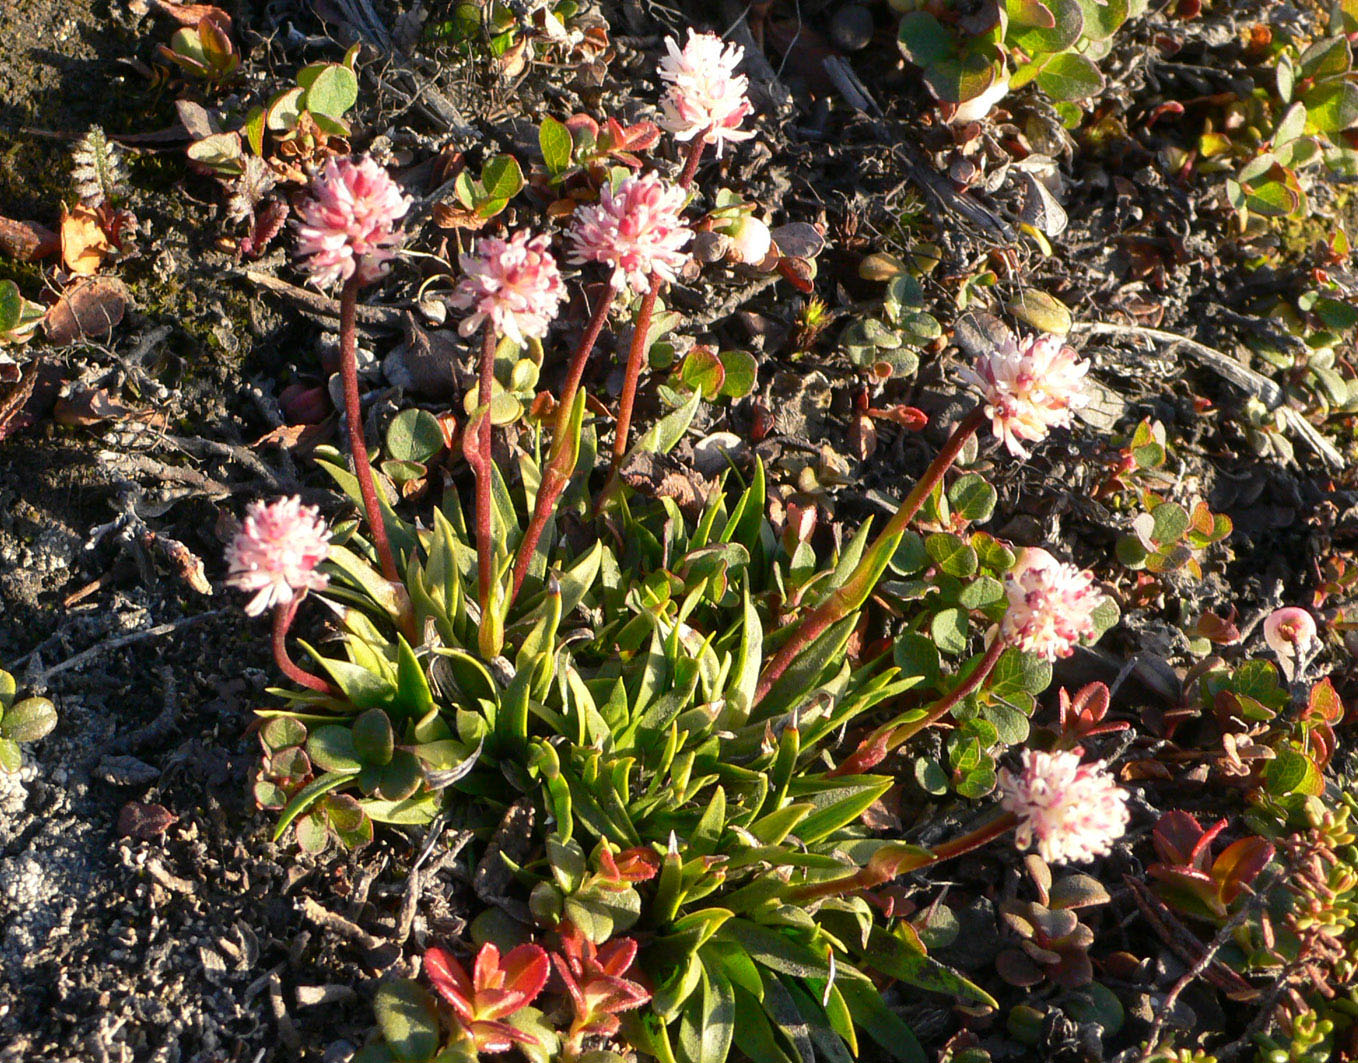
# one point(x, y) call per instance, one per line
point(126, 771)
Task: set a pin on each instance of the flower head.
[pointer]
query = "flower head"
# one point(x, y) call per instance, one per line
point(637, 230)
point(347, 224)
point(1030, 387)
point(1289, 632)
point(513, 282)
point(1051, 605)
point(276, 552)
point(1074, 811)
point(497, 989)
point(705, 96)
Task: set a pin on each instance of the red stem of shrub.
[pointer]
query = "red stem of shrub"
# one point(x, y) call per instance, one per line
point(841, 602)
point(282, 620)
point(353, 418)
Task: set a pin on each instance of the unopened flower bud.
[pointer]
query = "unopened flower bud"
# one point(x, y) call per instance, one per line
point(750, 240)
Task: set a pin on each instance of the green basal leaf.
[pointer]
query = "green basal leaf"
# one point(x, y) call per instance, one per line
point(900, 954)
point(664, 435)
point(332, 748)
point(363, 687)
point(883, 1025)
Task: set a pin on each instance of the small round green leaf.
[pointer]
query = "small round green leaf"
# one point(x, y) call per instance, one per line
point(949, 629)
point(332, 748)
point(414, 435)
point(372, 738)
point(1069, 76)
point(332, 90)
point(28, 720)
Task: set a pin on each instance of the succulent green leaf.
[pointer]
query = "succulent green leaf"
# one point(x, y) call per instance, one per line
point(331, 89)
point(502, 178)
point(372, 738)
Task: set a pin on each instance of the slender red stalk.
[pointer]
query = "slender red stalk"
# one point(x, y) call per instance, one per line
point(353, 419)
point(873, 749)
point(282, 620)
point(560, 464)
point(846, 597)
point(695, 153)
point(485, 552)
point(635, 356)
point(636, 353)
point(889, 863)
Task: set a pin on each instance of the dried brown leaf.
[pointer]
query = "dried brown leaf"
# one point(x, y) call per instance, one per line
point(87, 309)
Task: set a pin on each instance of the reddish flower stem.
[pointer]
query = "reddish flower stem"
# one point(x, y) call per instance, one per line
point(560, 467)
point(850, 592)
point(485, 553)
point(282, 620)
point(887, 865)
point(353, 419)
point(636, 354)
point(873, 749)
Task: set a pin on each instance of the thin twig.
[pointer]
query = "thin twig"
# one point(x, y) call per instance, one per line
point(243, 456)
point(1204, 961)
point(1243, 377)
point(323, 305)
point(116, 644)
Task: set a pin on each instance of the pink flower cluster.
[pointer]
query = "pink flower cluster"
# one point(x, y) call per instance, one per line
point(1030, 387)
point(1073, 811)
point(636, 229)
point(1051, 605)
point(347, 224)
point(515, 283)
point(276, 552)
point(706, 96)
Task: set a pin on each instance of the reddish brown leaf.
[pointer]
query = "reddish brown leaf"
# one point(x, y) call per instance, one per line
point(87, 309)
point(192, 14)
point(448, 216)
point(27, 240)
point(87, 406)
point(143, 821)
